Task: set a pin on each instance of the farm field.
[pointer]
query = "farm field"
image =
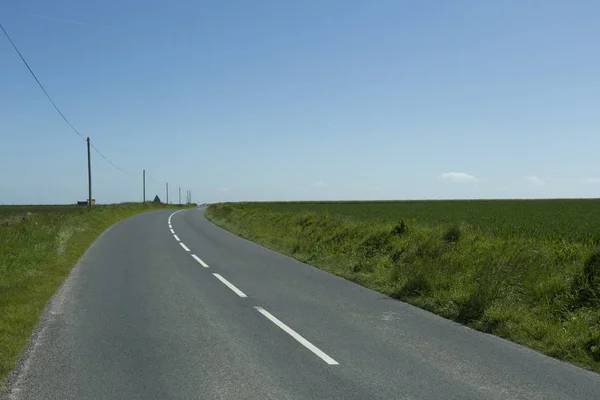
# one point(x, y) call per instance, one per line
point(563, 219)
point(525, 270)
point(39, 245)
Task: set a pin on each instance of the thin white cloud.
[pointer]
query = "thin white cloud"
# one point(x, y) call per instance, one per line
point(460, 177)
point(535, 181)
point(320, 184)
point(592, 180)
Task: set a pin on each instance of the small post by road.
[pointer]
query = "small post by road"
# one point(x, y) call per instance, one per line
point(144, 179)
point(89, 173)
point(167, 192)
point(179, 195)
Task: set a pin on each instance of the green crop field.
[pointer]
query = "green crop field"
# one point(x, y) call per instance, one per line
point(526, 270)
point(568, 219)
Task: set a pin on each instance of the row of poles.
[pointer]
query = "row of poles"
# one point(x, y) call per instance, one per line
point(188, 194)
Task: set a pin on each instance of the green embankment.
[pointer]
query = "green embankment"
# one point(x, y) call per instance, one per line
point(39, 245)
point(525, 270)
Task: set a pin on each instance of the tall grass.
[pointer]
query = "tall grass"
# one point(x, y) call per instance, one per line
point(531, 277)
point(38, 247)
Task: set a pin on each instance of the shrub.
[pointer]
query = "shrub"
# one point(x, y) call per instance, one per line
point(592, 345)
point(396, 255)
point(399, 229)
point(591, 268)
point(375, 244)
point(587, 283)
point(452, 235)
point(223, 210)
point(417, 285)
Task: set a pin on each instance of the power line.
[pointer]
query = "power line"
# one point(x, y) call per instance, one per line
point(39, 83)
point(54, 104)
point(151, 178)
point(110, 162)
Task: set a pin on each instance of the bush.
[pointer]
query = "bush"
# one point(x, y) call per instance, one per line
point(591, 268)
point(475, 305)
point(375, 244)
point(587, 283)
point(417, 285)
point(222, 210)
point(396, 256)
point(592, 346)
point(496, 278)
point(452, 235)
point(399, 229)
point(306, 220)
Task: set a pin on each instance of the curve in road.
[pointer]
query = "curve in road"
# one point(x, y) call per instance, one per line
point(169, 306)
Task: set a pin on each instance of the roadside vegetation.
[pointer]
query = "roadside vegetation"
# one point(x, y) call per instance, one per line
point(39, 245)
point(525, 270)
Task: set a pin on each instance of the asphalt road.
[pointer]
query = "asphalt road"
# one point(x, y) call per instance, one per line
point(141, 317)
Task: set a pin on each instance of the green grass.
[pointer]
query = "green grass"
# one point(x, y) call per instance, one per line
point(525, 270)
point(38, 247)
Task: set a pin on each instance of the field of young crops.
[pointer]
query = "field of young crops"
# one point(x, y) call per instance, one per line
point(576, 220)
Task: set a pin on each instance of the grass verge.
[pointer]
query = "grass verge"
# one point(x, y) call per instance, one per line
point(38, 247)
point(540, 288)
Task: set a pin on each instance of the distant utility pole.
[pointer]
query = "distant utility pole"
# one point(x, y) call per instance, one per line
point(144, 174)
point(179, 194)
point(167, 192)
point(89, 173)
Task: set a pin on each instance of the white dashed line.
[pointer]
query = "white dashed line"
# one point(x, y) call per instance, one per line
point(264, 312)
point(170, 216)
point(297, 336)
point(200, 261)
point(230, 286)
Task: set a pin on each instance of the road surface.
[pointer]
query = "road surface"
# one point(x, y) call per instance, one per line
point(172, 307)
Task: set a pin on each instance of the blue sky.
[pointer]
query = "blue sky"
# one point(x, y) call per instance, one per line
point(284, 100)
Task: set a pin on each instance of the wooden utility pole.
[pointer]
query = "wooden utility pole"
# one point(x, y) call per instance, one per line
point(144, 174)
point(167, 192)
point(89, 173)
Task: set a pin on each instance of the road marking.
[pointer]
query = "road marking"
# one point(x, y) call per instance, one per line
point(200, 261)
point(170, 227)
point(184, 246)
point(297, 336)
point(174, 214)
point(230, 286)
point(172, 231)
point(176, 238)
